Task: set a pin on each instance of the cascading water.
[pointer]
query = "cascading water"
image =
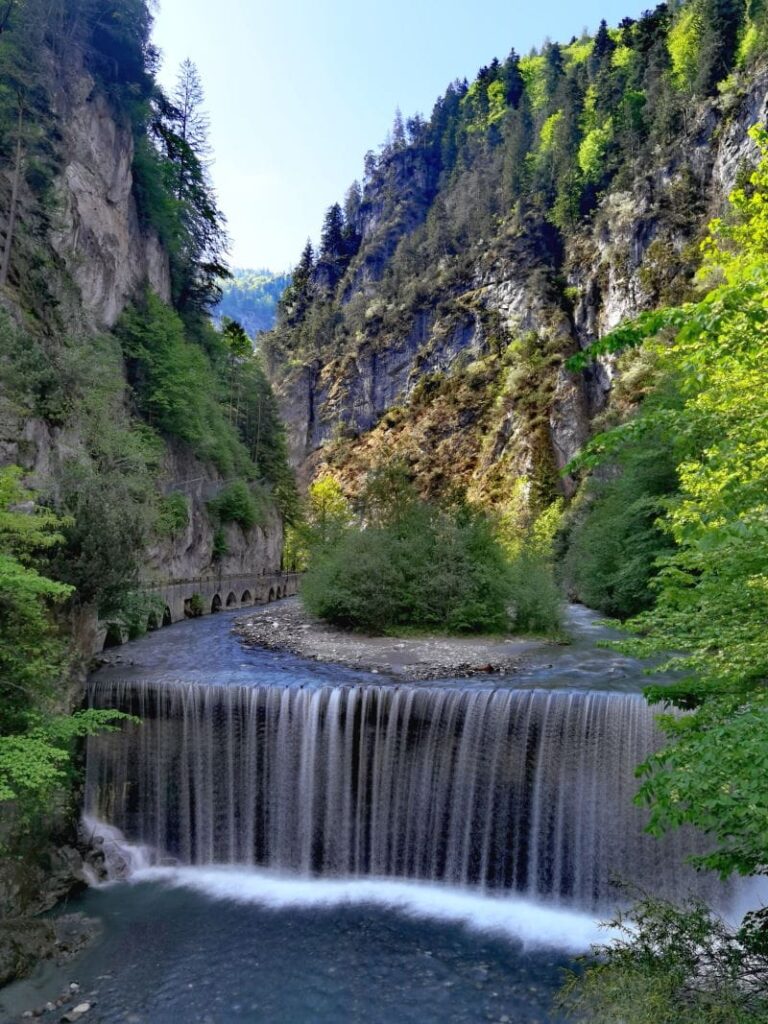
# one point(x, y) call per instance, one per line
point(525, 790)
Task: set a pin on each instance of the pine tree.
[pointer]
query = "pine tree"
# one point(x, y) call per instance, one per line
point(352, 203)
point(199, 262)
point(398, 130)
point(513, 80)
point(334, 254)
point(721, 24)
point(332, 236)
point(192, 122)
point(602, 49)
point(297, 297)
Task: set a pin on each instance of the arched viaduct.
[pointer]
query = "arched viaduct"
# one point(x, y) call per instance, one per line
point(188, 599)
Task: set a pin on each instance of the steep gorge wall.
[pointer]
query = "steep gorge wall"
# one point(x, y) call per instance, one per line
point(77, 262)
point(472, 386)
point(102, 257)
point(108, 255)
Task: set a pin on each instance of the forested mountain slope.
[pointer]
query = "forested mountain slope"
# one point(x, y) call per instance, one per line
point(251, 298)
point(539, 206)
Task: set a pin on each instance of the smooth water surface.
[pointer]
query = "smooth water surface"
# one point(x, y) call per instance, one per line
point(178, 955)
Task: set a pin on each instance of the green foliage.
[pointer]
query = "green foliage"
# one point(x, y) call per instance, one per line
point(254, 411)
point(711, 589)
point(218, 401)
point(136, 609)
point(536, 601)
point(238, 503)
point(684, 42)
point(613, 536)
point(35, 745)
point(547, 135)
point(220, 546)
point(106, 488)
point(535, 596)
point(672, 965)
point(411, 565)
point(173, 515)
point(321, 524)
point(172, 379)
point(38, 762)
point(32, 654)
point(592, 150)
point(533, 70)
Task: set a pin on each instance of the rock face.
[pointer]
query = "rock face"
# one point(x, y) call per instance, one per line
point(387, 391)
point(97, 234)
point(104, 257)
point(189, 554)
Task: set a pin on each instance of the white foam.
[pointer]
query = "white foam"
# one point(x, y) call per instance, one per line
point(536, 925)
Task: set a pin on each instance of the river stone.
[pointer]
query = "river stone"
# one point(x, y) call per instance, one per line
point(76, 1013)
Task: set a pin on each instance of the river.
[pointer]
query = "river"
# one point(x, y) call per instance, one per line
point(314, 845)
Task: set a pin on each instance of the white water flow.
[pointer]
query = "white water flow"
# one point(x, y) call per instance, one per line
point(497, 789)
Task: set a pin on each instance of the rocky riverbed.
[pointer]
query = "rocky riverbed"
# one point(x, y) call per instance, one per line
point(286, 626)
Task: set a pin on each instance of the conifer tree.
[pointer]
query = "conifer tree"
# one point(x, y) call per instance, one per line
point(199, 262)
point(334, 252)
point(512, 79)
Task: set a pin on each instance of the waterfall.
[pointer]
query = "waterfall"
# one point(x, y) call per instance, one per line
point(525, 790)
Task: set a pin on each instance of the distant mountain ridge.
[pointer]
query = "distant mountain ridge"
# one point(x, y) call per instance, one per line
point(251, 297)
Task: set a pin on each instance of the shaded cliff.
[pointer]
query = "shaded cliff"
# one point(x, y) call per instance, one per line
point(149, 440)
point(83, 402)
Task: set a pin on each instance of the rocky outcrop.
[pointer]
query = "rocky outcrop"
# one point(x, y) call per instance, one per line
point(108, 254)
point(189, 554)
point(514, 295)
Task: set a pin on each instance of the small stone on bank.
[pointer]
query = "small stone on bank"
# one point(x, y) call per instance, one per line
point(76, 1013)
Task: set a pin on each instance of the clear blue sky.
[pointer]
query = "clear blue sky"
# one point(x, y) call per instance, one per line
point(299, 90)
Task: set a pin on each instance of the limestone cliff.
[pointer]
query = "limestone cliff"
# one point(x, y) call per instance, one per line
point(100, 256)
point(458, 366)
point(96, 231)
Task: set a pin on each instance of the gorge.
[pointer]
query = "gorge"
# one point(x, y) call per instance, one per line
point(518, 385)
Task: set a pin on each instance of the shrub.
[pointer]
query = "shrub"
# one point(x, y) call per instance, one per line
point(409, 565)
point(238, 503)
point(173, 514)
point(536, 599)
point(670, 963)
point(220, 547)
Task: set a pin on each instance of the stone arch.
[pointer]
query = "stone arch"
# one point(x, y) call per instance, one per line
point(167, 617)
point(246, 598)
point(152, 623)
point(216, 604)
point(231, 599)
point(114, 636)
point(271, 594)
